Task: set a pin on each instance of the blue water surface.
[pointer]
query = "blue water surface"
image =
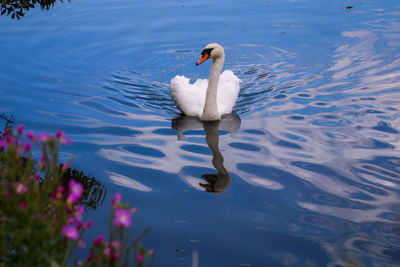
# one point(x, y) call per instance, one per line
point(305, 173)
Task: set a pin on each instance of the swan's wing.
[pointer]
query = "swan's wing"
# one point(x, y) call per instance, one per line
point(189, 98)
point(228, 91)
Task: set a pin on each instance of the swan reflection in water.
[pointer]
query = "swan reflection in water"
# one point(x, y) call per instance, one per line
point(215, 182)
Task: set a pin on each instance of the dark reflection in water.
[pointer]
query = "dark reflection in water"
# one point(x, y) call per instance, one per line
point(18, 8)
point(216, 182)
point(6, 121)
point(94, 191)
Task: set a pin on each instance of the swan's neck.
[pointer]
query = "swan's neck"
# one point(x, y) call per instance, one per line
point(210, 111)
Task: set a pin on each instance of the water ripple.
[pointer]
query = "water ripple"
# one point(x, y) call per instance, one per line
point(311, 165)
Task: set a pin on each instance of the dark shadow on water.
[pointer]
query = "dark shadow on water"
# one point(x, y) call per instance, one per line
point(94, 191)
point(214, 182)
point(18, 8)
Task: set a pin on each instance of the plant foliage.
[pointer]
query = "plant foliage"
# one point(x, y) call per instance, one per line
point(42, 208)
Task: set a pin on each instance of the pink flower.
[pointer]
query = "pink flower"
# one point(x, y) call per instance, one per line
point(116, 245)
point(79, 224)
point(37, 176)
point(116, 200)
point(44, 137)
point(59, 134)
point(88, 224)
point(98, 241)
point(139, 257)
point(67, 140)
point(75, 190)
point(77, 217)
point(60, 189)
point(65, 166)
point(79, 211)
point(73, 220)
point(122, 218)
point(42, 161)
point(20, 188)
point(23, 206)
point(116, 249)
point(27, 147)
point(58, 194)
point(90, 257)
point(10, 140)
point(31, 136)
point(53, 195)
point(20, 129)
point(70, 232)
point(107, 251)
point(134, 210)
point(62, 137)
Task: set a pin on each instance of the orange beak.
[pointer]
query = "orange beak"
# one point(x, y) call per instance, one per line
point(202, 59)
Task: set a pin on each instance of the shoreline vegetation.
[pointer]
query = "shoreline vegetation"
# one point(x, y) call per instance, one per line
point(43, 203)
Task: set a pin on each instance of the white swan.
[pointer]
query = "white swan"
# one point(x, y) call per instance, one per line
point(207, 100)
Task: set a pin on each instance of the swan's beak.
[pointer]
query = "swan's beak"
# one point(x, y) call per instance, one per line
point(202, 59)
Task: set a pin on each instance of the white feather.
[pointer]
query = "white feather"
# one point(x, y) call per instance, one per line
point(190, 98)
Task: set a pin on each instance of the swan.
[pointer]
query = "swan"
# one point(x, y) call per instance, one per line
point(207, 99)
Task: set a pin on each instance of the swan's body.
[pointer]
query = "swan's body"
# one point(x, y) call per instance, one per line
point(207, 99)
point(190, 98)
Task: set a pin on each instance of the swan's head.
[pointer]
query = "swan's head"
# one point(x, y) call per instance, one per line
point(213, 51)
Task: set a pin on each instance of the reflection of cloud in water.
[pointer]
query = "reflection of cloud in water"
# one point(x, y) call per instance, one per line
point(353, 144)
point(328, 144)
point(373, 69)
point(340, 131)
point(128, 182)
point(176, 160)
point(340, 136)
point(272, 185)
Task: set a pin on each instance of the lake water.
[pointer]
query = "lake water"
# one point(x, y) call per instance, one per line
point(305, 173)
